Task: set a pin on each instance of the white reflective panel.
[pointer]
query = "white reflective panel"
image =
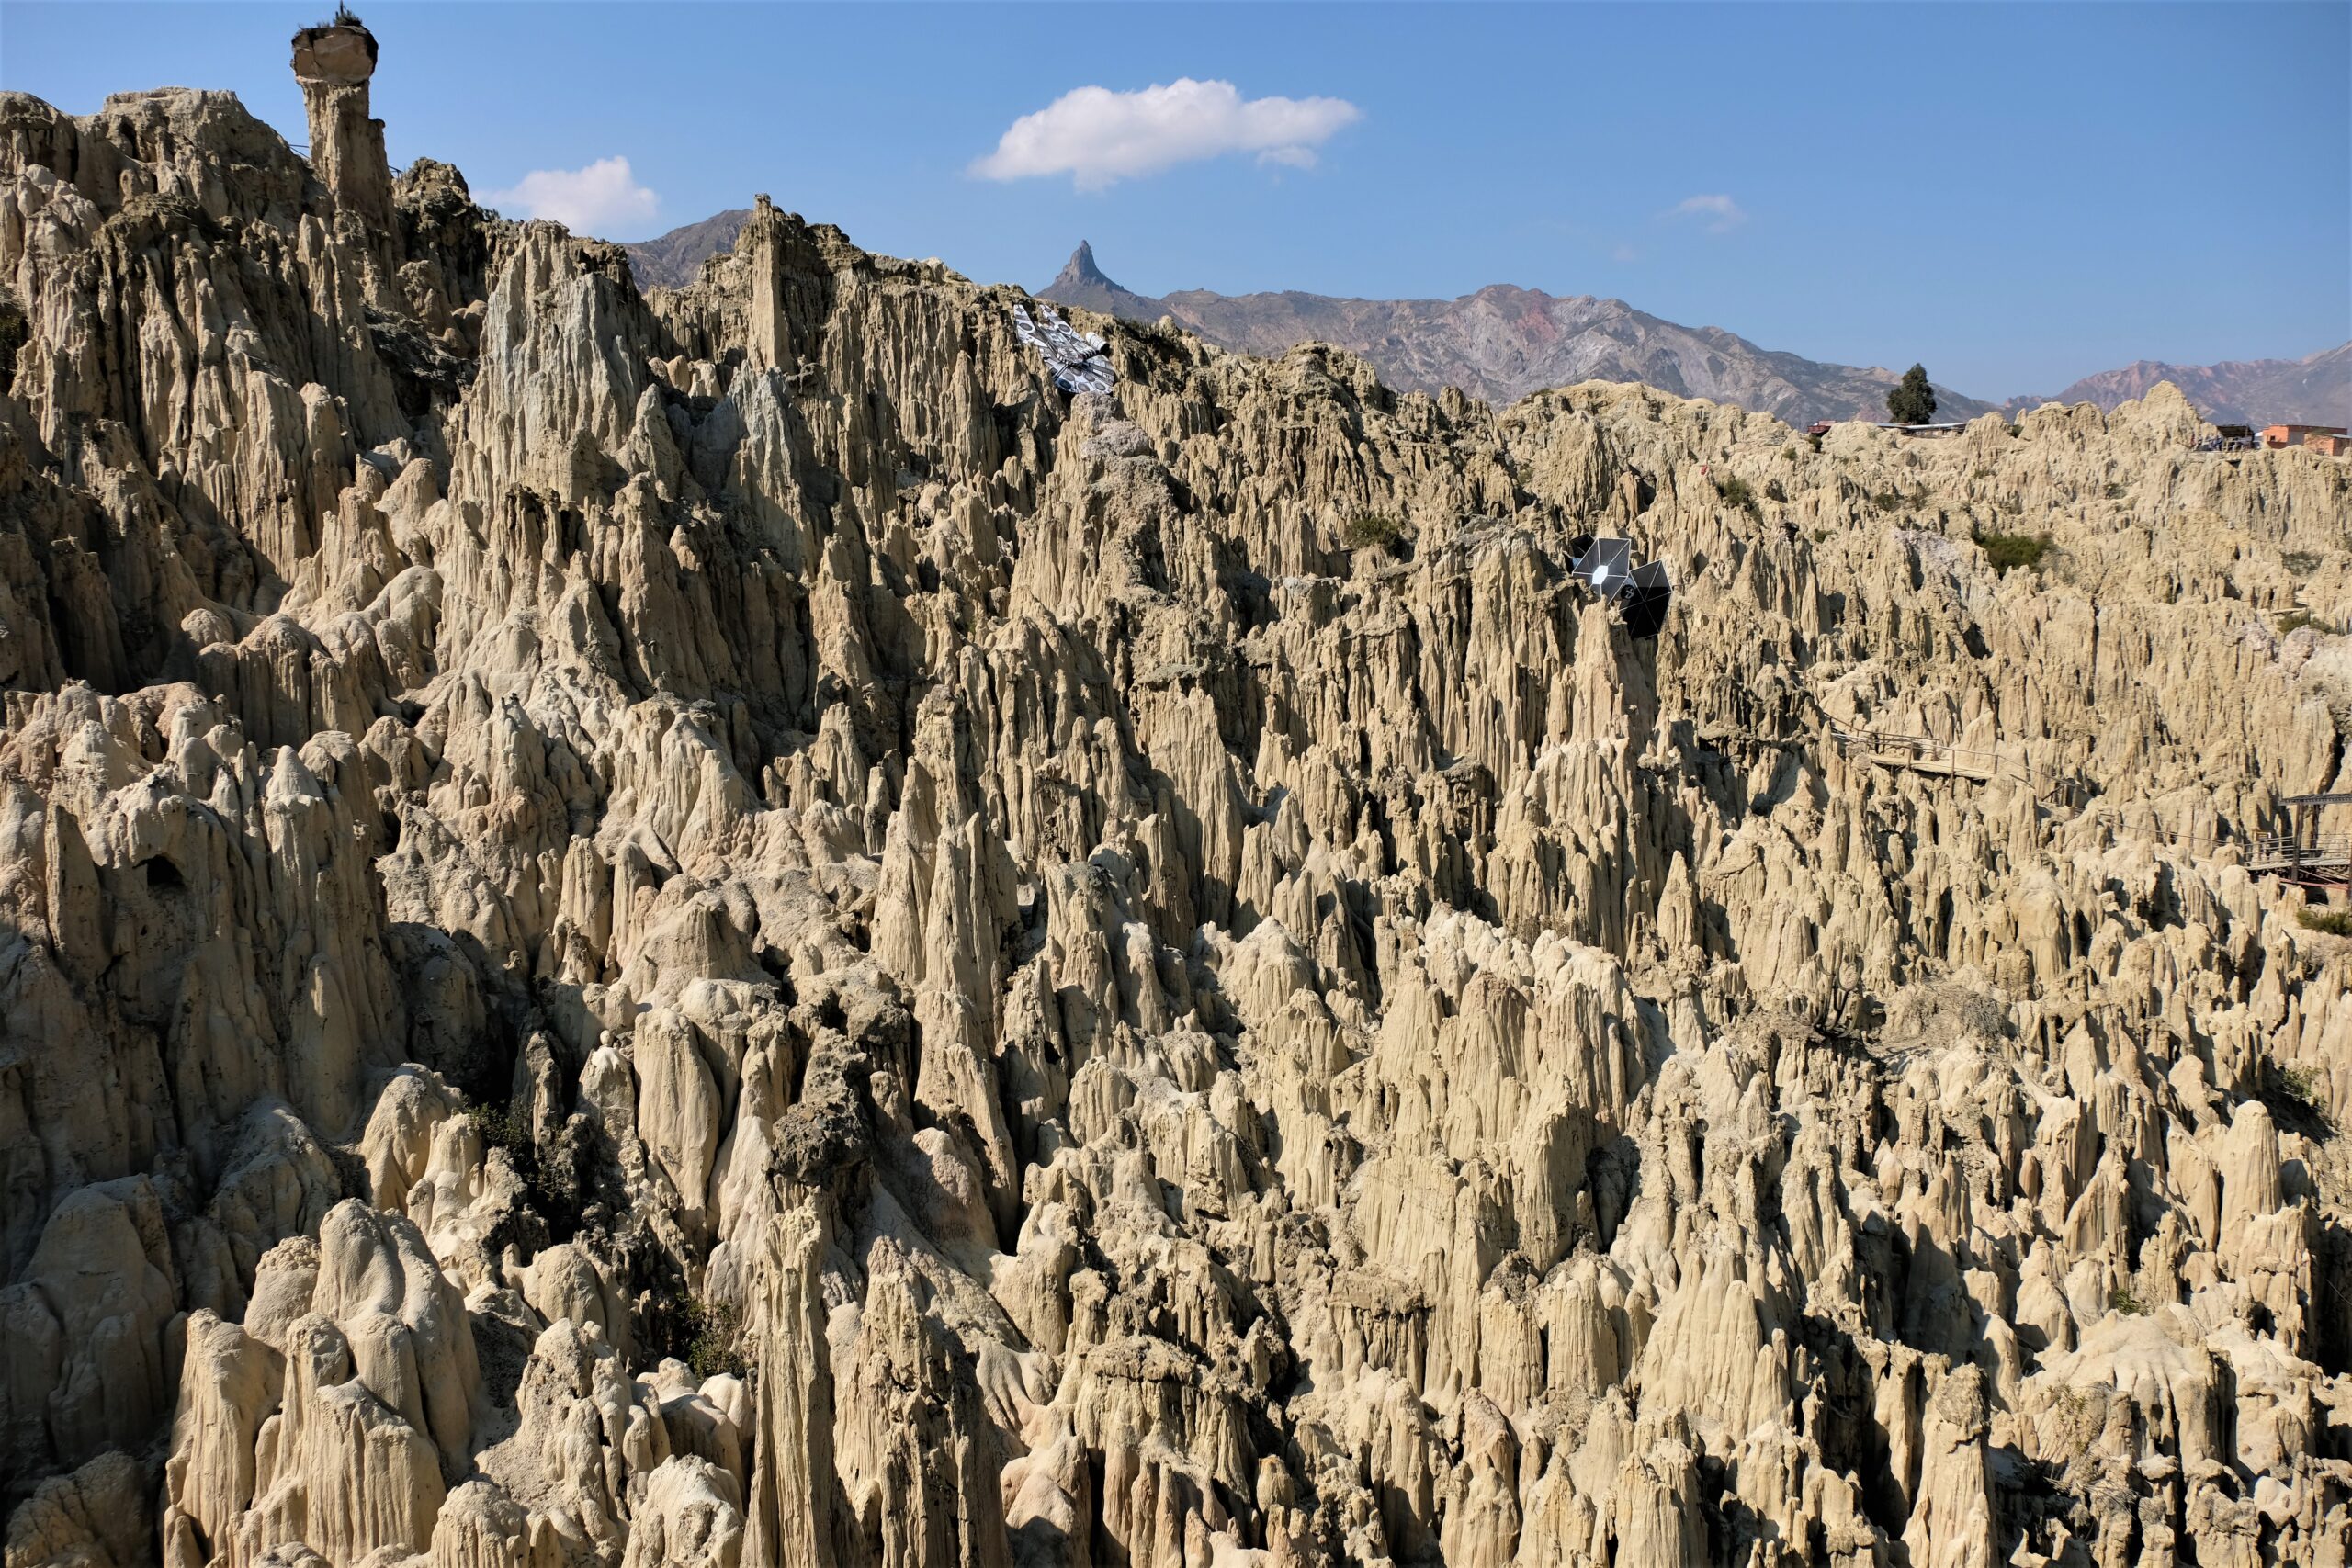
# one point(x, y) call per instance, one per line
point(1605, 566)
point(1075, 362)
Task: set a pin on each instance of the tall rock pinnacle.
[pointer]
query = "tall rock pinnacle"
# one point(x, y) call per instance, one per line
point(1081, 270)
point(1083, 284)
point(333, 63)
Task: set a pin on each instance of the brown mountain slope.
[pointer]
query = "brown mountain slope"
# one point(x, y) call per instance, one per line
point(669, 261)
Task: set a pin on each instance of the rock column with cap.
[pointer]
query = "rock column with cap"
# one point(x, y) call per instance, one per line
point(333, 63)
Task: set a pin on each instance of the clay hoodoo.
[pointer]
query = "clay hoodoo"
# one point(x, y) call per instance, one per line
point(333, 63)
point(719, 928)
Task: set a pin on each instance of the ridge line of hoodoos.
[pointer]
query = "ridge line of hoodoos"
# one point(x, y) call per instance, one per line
point(1081, 362)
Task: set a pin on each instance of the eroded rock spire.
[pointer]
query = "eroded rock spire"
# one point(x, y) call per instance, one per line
point(333, 63)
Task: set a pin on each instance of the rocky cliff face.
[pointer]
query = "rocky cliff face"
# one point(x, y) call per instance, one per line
point(716, 930)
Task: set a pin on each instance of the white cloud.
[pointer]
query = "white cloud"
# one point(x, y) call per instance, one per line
point(1097, 136)
point(1291, 157)
point(603, 196)
point(1721, 213)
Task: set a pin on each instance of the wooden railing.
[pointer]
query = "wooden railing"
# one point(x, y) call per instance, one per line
point(1926, 754)
point(2286, 853)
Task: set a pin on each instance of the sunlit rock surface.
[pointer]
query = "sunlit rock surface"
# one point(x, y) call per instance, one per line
point(717, 930)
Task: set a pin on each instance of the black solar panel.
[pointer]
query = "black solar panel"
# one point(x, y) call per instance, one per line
point(1644, 604)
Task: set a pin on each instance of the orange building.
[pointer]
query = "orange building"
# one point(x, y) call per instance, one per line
point(2297, 435)
point(2331, 445)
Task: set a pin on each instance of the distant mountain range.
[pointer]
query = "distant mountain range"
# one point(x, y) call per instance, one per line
point(1502, 343)
point(2317, 390)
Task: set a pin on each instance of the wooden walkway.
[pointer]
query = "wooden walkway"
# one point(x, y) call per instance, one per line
point(1925, 754)
point(1919, 754)
point(2311, 863)
point(2327, 860)
point(2305, 856)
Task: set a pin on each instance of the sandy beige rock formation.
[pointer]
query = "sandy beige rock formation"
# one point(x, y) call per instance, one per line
point(716, 929)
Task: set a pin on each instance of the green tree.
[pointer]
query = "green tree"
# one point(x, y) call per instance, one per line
point(1912, 402)
point(14, 330)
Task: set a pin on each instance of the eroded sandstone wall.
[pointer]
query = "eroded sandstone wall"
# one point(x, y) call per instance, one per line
point(717, 930)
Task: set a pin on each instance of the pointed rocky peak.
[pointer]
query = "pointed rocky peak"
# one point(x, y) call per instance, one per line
point(1083, 284)
point(1081, 271)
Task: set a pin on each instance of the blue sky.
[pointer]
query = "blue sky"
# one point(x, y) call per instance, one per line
point(2016, 195)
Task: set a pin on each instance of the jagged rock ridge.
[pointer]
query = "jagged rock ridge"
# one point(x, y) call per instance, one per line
point(714, 929)
point(1499, 344)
